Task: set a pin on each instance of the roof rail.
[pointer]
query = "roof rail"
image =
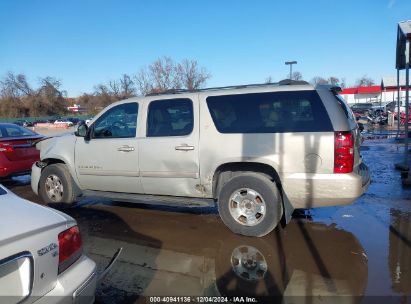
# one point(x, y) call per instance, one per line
point(170, 91)
point(292, 82)
point(241, 86)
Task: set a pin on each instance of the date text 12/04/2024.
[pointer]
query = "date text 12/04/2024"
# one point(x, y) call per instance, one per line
point(202, 300)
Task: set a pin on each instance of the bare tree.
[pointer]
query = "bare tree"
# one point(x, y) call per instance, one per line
point(143, 81)
point(104, 96)
point(116, 89)
point(164, 74)
point(333, 80)
point(15, 86)
point(50, 87)
point(318, 80)
point(49, 98)
point(330, 80)
point(127, 86)
point(92, 102)
point(297, 76)
point(113, 88)
point(192, 77)
point(364, 81)
point(269, 79)
point(19, 99)
point(101, 89)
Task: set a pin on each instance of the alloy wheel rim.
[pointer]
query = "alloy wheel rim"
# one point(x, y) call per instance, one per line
point(54, 188)
point(247, 207)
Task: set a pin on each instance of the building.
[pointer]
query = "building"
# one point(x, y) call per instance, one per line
point(362, 94)
point(384, 93)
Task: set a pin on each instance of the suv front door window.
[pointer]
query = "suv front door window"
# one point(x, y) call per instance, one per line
point(118, 122)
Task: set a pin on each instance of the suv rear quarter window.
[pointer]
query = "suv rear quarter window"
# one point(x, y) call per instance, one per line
point(293, 111)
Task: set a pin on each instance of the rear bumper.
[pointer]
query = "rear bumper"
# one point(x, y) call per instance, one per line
point(18, 167)
point(307, 190)
point(75, 285)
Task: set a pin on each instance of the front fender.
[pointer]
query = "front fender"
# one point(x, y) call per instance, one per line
point(60, 149)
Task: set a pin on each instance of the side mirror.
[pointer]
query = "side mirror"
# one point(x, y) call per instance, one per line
point(82, 131)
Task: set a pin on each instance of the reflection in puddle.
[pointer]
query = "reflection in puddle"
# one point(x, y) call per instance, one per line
point(248, 263)
point(400, 251)
point(185, 255)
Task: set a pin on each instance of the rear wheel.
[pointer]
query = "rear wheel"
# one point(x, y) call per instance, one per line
point(250, 204)
point(56, 185)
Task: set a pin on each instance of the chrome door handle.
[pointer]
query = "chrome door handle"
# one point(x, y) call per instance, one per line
point(184, 148)
point(125, 149)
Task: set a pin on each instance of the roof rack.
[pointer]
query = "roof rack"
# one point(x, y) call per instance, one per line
point(292, 82)
point(280, 83)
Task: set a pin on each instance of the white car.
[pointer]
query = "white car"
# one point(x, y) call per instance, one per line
point(63, 122)
point(41, 255)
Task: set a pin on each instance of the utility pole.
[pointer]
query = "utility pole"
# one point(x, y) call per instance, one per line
point(290, 63)
point(403, 62)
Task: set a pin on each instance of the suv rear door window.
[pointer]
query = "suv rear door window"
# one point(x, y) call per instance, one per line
point(171, 117)
point(294, 111)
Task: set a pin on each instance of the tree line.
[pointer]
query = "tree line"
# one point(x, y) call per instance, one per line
point(18, 98)
point(364, 81)
point(360, 82)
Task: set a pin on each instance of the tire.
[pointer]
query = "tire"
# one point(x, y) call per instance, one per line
point(250, 204)
point(57, 175)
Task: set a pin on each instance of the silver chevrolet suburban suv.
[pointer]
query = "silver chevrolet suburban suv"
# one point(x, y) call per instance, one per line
point(258, 151)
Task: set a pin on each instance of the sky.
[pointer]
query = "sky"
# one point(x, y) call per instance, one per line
point(86, 42)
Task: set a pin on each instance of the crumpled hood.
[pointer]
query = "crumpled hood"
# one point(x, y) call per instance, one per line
point(48, 144)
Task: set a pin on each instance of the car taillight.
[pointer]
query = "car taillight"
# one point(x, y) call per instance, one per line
point(70, 247)
point(6, 148)
point(343, 152)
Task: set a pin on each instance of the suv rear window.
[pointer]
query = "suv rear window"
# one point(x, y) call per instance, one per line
point(294, 111)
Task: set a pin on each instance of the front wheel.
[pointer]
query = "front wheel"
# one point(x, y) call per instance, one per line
point(56, 185)
point(250, 204)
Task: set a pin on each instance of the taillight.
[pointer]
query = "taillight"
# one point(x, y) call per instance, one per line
point(6, 148)
point(70, 247)
point(343, 152)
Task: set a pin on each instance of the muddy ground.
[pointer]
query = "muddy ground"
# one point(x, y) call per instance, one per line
point(360, 253)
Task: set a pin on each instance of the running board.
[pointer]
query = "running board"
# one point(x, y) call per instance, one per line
point(177, 201)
